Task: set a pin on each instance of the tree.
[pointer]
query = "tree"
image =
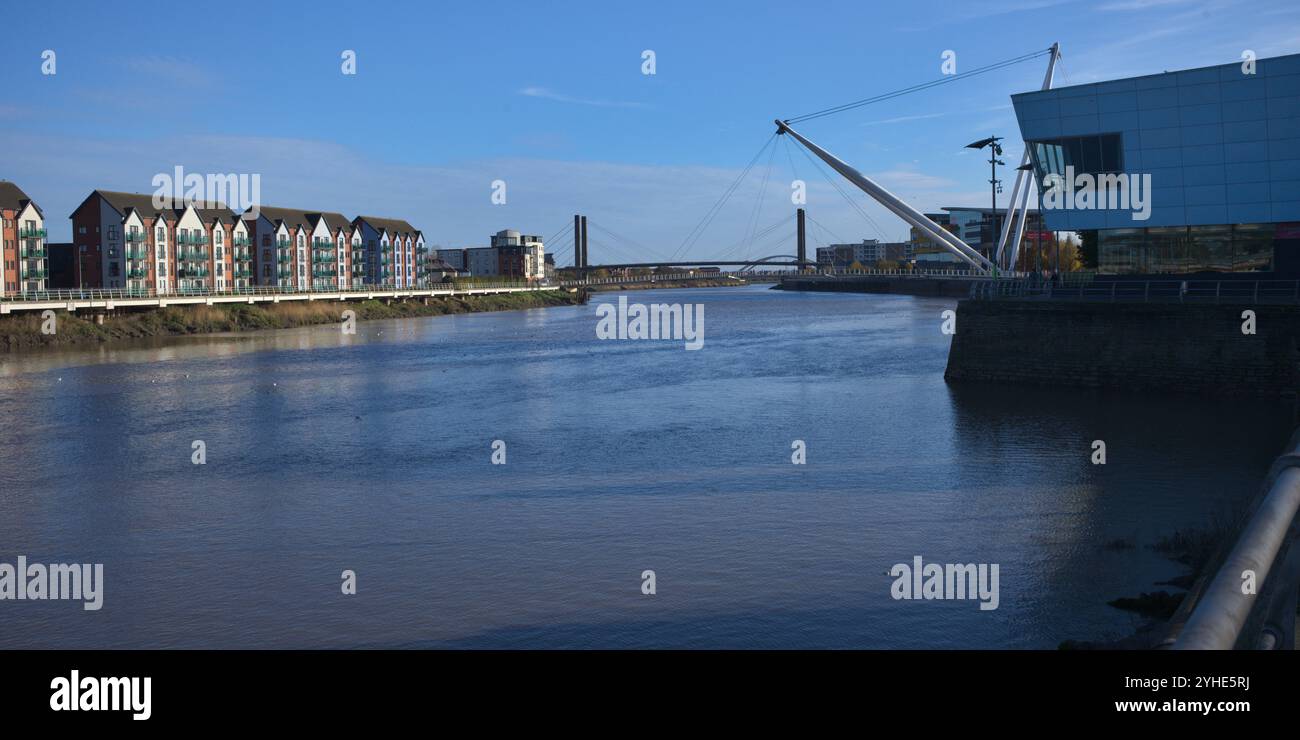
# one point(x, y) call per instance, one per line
point(1088, 252)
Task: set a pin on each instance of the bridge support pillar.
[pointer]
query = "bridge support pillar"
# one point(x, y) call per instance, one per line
point(801, 251)
point(584, 246)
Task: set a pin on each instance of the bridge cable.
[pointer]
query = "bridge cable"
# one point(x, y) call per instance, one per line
point(758, 205)
point(843, 194)
point(694, 235)
point(918, 87)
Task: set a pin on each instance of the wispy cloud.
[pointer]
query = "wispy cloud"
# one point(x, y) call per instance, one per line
point(905, 177)
point(170, 69)
point(904, 119)
point(1127, 5)
point(548, 94)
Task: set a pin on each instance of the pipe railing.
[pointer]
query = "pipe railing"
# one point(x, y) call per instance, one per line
point(1143, 291)
point(96, 294)
point(1251, 602)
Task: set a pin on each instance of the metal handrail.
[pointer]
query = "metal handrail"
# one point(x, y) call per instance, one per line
point(1143, 291)
point(1268, 549)
point(73, 294)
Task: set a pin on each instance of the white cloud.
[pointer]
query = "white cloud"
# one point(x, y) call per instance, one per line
point(547, 94)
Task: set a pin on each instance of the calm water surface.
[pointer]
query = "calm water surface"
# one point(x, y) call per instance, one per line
point(371, 452)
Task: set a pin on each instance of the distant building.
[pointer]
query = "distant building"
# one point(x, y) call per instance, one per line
point(866, 254)
point(979, 227)
point(520, 255)
point(512, 255)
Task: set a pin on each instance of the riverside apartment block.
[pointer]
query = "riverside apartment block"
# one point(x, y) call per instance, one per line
point(24, 268)
point(127, 241)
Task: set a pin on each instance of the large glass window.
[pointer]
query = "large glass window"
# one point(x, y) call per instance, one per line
point(1252, 247)
point(1121, 251)
point(1086, 154)
point(1182, 249)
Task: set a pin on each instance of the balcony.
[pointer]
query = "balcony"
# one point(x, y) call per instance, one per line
point(243, 255)
point(192, 273)
point(322, 273)
point(137, 274)
point(37, 274)
point(242, 272)
point(30, 232)
point(284, 258)
point(32, 253)
point(324, 257)
point(134, 236)
point(243, 241)
point(192, 255)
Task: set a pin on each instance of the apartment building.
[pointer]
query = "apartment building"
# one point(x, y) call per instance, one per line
point(389, 246)
point(520, 255)
point(25, 266)
point(125, 241)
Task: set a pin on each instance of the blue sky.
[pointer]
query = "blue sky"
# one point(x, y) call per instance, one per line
point(550, 98)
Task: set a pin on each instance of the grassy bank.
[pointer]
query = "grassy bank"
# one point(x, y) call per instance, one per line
point(18, 332)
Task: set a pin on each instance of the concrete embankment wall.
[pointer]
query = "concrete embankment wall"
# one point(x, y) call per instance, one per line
point(879, 284)
point(1169, 347)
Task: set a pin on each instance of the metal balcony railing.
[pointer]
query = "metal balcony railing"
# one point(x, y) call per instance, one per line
point(32, 253)
point(134, 236)
point(30, 232)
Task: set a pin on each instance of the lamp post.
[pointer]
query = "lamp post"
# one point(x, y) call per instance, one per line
point(995, 151)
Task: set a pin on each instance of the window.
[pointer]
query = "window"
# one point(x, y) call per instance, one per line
point(162, 235)
point(81, 229)
point(1086, 154)
point(266, 240)
point(219, 234)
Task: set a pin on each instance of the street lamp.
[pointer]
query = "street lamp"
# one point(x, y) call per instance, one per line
point(995, 151)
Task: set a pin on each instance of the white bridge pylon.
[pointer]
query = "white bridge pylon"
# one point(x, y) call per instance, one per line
point(934, 231)
point(895, 204)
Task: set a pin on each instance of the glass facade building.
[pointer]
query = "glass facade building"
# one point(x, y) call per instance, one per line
point(1218, 148)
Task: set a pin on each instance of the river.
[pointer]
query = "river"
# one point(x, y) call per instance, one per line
point(372, 452)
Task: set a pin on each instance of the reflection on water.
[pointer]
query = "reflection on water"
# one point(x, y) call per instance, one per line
point(371, 452)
